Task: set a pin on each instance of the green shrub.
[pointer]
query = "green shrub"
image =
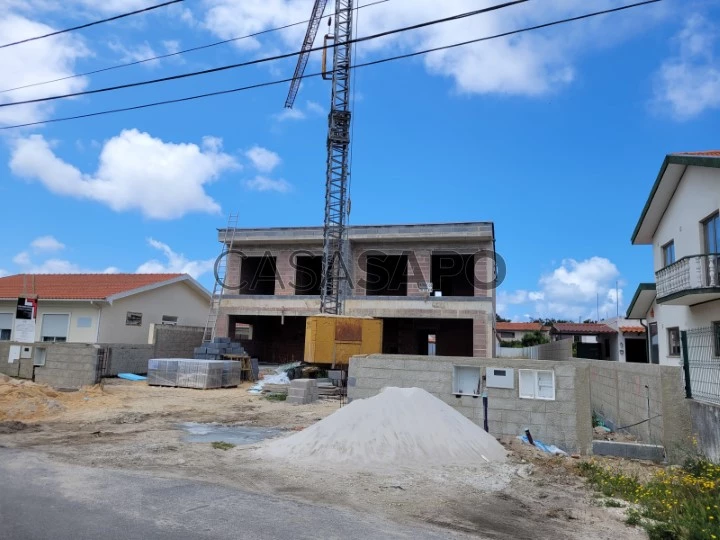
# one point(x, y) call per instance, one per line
point(222, 445)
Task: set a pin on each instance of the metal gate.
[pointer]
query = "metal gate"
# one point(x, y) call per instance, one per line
point(102, 365)
point(701, 363)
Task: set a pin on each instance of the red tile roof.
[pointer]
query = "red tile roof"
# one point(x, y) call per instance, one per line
point(517, 326)
point(632, 329)
point(582, 328)
point(708, 153)
point(77, 286)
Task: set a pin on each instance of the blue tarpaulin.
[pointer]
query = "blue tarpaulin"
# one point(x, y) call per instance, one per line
point(132, 377)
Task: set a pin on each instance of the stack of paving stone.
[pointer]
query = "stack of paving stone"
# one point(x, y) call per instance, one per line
point(302, 391)
point(202, 374)
point(162, 372)
point(219, 347)
point(232, 373)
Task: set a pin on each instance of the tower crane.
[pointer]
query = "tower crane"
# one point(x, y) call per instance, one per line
point(334, 279)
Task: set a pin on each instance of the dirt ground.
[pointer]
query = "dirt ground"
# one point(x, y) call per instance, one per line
point(130, 425)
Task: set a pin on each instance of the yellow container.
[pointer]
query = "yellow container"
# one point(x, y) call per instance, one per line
point(333, 340)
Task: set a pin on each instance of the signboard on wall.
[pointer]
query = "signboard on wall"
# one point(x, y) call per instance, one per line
point(25, 317)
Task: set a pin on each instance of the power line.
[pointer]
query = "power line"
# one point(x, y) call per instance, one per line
point(87, 25)
point(263, 60)
point(311, 75)
point(176, 53)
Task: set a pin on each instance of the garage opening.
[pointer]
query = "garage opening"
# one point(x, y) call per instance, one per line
point(308, 273)
point(636, 351)
point(451, 337)
point(386, 275)
point(270, 339)
point(453, 274)
point(257, 275)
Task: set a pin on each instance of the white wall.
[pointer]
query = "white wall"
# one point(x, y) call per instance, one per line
point(76, 310)
point(178, 300)
point(684, 318)
point(696, 198)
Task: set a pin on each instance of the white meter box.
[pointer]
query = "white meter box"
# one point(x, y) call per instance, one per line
point(500, 377)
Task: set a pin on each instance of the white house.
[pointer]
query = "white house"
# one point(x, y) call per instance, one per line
point(681, 222)
point(515, 331)
point(629, 343)
point(99, 308)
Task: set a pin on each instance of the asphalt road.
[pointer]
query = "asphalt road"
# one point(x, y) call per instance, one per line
point(43, 499)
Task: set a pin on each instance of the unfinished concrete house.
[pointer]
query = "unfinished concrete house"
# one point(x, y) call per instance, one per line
point(433, 285)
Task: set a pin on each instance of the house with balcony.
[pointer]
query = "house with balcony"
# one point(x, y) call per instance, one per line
point(681, 221)
point(429, 283)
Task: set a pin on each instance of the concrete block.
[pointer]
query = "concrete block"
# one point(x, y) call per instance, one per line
point(648, 452)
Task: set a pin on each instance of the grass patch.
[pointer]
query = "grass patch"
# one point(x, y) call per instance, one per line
point(276, 397)
point(613, 503)
point(679, 503)
point(222, 445)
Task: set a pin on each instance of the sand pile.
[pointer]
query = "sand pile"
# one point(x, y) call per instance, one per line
point(399, 426)
point(28, 401)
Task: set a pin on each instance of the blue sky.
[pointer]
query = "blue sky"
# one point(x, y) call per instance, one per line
point(555, 135)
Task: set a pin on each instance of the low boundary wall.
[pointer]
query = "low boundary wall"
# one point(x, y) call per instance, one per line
point(565, 421)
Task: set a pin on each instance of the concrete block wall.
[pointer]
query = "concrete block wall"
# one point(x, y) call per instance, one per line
point(232, 272)
point(127, 359)
point(11, 370)
point(706, 428)
point(68, 365)
point(173, 341)
point(619, 393)
point(565, 422)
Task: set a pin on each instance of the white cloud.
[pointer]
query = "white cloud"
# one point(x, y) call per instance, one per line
point(315, 107)
point(52, 266)
point(263, 160)
point(688, 83)
point(174, 263)
point(135, 52)
point(47, 243)
point(573, 290)
point(289, 114)
point(525, 64)
point(299, 113)
point(36, 61)
point(171, 45)
point(135, 172)
point(4, 273)
point(22, 258)
point(262, 183)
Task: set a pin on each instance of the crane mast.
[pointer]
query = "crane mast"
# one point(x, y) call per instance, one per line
point(335, 279)
point(335, 282)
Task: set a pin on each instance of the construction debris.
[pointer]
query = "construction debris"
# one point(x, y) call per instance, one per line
point(399, 426)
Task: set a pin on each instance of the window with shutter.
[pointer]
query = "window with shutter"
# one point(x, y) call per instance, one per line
point(54, 327)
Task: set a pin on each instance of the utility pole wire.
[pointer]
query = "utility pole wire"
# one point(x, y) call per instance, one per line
point(311, 75)
point(87, 25)
point(176, 53)
point(267, 59)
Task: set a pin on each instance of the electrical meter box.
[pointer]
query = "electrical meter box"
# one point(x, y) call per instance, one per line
point(500, 377)
point(26, 352)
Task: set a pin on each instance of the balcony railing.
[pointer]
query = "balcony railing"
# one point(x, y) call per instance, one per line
point(688, 274)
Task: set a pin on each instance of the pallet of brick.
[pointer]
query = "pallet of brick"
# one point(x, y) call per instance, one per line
point(162, 372)
point(232, 373)
point(203, 374)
